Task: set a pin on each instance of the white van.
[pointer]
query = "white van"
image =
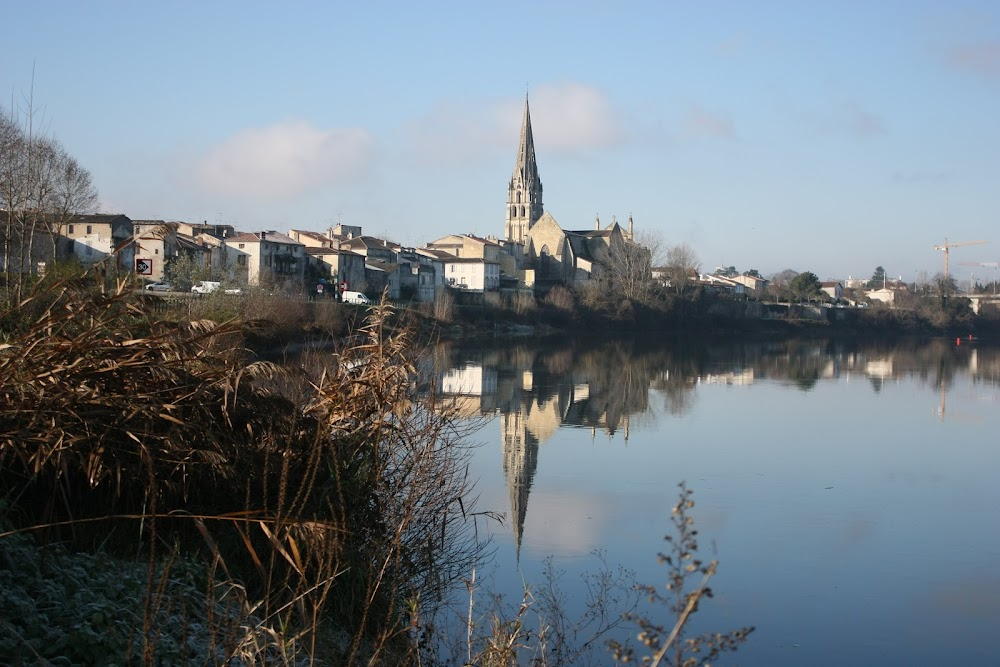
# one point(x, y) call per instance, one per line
point(355, 297)
point(205, 286)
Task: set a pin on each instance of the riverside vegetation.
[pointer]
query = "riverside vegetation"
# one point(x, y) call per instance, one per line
point(166, 497)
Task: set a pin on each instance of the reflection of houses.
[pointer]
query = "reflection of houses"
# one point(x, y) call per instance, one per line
point(733, 378)
point(470, 388)
point(537, 394)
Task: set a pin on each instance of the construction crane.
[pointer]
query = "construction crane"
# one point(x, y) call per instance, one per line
point(945, 246)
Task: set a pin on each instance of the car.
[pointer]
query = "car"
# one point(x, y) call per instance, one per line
point(160, 286)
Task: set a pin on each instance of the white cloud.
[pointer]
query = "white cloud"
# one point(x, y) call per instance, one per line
point(572, 117)
point(283, 160)
point(566, 119)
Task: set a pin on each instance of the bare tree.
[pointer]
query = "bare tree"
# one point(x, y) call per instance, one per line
point(71, 193)
point(681, 262)
point(41, 188)
point(629, 269)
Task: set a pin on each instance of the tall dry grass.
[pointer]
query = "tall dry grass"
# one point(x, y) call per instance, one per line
point(330, 497)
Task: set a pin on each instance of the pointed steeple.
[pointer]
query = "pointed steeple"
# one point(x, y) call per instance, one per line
point(524, 195)
point(525, 166)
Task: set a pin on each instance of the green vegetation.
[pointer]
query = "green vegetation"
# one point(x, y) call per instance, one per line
point(805, 286)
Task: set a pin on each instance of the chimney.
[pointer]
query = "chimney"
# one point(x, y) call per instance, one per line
point(263, 236)
point(597, 223)
point(630, 227)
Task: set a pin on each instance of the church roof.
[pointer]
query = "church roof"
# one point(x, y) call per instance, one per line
point(525, 167)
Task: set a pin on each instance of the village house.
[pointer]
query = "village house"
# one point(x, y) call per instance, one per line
point(723, 284)
point(345, 267)
point(266, 258)
point(833, 289)
point(156, 244)
point(755, 283)
point(93, 238)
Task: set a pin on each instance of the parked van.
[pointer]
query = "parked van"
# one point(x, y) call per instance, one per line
point(355, 297)
point(205, 286)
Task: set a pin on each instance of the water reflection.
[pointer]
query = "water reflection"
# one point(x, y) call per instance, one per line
point(607, 386)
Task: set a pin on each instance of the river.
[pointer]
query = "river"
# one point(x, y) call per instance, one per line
point(849, 491)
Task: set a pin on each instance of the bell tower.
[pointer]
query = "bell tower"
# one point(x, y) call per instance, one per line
point(524, 195)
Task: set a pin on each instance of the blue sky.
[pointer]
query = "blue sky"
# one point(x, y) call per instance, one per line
point(829, 137)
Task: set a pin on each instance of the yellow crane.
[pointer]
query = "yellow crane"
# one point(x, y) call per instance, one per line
point(945, 246)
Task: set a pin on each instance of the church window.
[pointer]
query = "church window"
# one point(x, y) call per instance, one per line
point(518, 196)
point(522, 211)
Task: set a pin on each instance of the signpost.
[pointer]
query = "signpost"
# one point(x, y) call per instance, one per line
point(144, 267)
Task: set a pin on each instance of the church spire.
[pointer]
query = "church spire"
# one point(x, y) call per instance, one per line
point(524, 195)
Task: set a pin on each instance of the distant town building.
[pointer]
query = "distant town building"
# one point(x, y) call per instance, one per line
point(266, 257)
point(833, 289)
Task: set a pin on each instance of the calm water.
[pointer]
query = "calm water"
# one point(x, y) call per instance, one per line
point(850, 491)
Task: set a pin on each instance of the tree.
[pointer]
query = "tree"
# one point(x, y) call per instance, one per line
point(681, 263)
point(805, 286)
point(753, 273)
point(878, 278)
point(41, 188)
point(727, 271)
point(630, 265)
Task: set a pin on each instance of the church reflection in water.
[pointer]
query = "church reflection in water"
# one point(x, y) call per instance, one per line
point(606, 386)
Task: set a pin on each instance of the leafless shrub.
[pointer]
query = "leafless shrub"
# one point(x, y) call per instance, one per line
point(444, 307)
point(523, 303)
point(682, 597)
point(560, 298)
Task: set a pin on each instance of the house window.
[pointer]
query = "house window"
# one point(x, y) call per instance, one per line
point(242, 260)
point(242, 245)
point(453, 268)
point(156, 251)
point(89, 229)
point(71, 229)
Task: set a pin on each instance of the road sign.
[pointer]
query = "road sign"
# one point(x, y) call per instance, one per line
point(144, 267)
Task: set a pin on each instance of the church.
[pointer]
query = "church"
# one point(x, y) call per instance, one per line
point(548, 253)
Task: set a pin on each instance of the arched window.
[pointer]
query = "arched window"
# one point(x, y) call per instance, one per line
point(522, 211)
point(518, 196)
point(513, 211)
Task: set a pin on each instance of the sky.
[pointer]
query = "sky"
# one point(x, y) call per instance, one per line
point(823, 137)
